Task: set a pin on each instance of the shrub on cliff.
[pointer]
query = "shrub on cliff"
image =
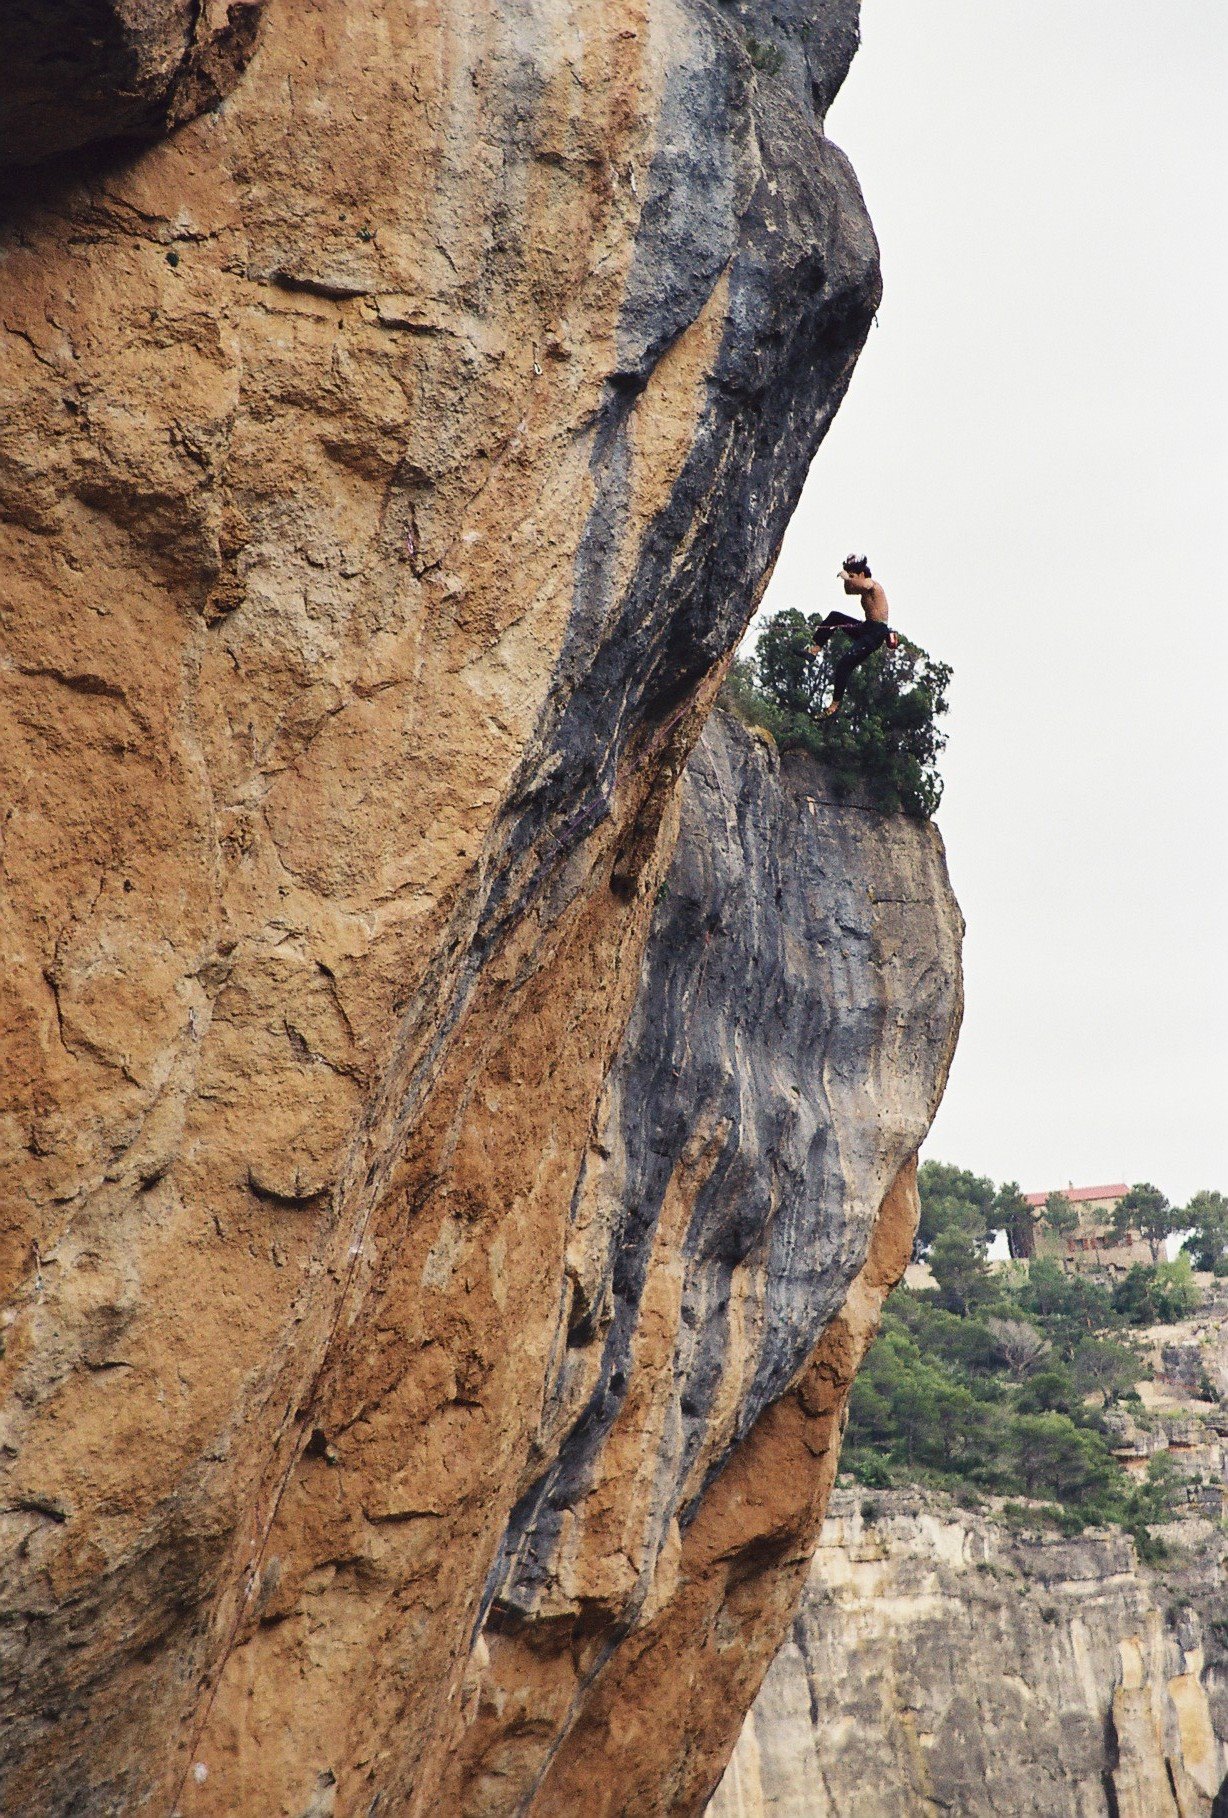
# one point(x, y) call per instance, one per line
point(1070, 1306)
point(938, 1400)
point(1054, 1457)
point(884, 741)
point(1105, 1367)
point(915, 1413)
point(1157, 1296)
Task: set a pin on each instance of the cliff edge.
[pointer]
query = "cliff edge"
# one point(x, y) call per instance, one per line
point(393, 453)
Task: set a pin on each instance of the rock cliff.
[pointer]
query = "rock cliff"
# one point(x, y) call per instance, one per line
point(85, 70)
point(939, 1662)
point(747, 1200)
point(392, 456)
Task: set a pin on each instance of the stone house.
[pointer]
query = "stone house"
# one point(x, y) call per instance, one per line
point(1093, 1246)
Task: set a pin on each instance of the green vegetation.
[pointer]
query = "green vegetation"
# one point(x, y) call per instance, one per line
point(1061, 1215)
point(885, 739)
point(1207, 1217)
point(952, 1196)
point(1145, 1209)
point(1158, 1296)
point(998, 1381)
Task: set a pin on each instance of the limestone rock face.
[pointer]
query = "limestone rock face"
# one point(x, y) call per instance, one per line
point(391, 458)
point(747, 1199)
point(79, 70)
point(938, 1663)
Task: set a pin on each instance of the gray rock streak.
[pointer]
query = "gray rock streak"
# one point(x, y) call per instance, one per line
point(797, 1012)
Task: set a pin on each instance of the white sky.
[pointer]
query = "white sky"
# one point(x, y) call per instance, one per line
point(1033, 454)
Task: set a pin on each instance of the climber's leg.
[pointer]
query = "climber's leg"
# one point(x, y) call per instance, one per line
point(835, 621)
point(870, 638)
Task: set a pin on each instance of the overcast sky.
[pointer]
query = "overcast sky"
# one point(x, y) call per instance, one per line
point(1033, 454)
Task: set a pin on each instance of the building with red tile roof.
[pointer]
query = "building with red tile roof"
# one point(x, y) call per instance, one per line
point(1083, 1196)
point(1094, 1244)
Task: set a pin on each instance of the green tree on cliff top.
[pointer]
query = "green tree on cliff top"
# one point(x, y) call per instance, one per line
point(952, 1196)
point(884, 741)
point(1011, 1213)
point(1144, 1208)
point(1206, 1217)
point(957, 1260)
point(1061, 1215)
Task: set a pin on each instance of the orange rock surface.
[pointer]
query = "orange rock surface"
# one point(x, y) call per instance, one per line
point(391, 458)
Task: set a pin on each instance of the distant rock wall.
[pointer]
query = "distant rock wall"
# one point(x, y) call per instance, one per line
point(939, 1663)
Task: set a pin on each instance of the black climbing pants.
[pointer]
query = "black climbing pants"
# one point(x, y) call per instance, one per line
point(868, 635)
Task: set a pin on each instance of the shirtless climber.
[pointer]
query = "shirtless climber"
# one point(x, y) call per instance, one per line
point(867, 636)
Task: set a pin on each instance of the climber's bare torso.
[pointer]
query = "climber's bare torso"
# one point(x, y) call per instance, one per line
point(872, 595)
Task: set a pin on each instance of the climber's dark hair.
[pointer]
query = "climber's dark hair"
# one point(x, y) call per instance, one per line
point(857, 565)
